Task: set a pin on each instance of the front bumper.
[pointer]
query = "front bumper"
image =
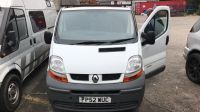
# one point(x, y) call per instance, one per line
point(124, 96)
point(186, 51)
point(121, 100)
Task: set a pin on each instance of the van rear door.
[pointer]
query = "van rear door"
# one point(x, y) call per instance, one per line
point(154, 53)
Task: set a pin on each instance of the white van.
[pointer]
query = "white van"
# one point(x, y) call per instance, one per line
point(22, 46)
point(99, 60)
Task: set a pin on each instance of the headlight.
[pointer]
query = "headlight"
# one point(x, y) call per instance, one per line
point(56, 65)
point(57, 69)
point(134, 69)
point(134, 64)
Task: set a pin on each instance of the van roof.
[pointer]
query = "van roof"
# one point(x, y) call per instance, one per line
point(28, 4)
point(98, 8)
point(9, 3)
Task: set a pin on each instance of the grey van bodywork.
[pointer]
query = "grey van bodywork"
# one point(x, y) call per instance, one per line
point(21, 49)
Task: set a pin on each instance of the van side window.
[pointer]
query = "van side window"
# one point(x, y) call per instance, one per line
point(11, 38)
point(196, 27)
point(158, 23)
point(37, 20)
point(21, 23)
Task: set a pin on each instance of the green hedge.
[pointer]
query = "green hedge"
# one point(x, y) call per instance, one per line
point(198, 11)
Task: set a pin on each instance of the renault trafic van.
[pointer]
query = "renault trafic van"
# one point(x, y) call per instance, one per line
point(99, 60)
point(22, 45)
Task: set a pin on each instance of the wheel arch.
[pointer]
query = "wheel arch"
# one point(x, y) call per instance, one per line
point(194, 51)
point(14, 68)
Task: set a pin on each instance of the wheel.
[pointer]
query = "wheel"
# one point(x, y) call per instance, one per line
point(10, 94)
point(193, 68)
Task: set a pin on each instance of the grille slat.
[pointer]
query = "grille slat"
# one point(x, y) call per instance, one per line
point(95, 92)
point(95, 106)
point(81, 77)
point(105, 77)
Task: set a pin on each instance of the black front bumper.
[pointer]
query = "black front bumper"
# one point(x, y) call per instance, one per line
point(121, 100)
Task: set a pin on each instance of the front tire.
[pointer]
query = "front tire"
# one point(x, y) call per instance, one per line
point(193, 68)
point(10, 93)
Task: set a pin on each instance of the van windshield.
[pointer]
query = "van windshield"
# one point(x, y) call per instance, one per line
point(95, 26)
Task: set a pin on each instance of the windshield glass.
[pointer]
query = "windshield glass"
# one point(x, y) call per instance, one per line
point(95, 25)
point(2, 10)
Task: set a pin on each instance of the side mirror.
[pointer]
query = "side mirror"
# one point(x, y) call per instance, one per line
point(12, 41)
point(149, 38)
point(48, 37)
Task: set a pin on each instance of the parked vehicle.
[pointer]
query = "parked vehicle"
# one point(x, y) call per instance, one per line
point(192, 53)
point(177, 6)
point(22, 46)
point(147, 12)
point(99, 60)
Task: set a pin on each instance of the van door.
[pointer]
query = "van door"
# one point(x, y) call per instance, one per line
point(38, 24)
point(155, 37)
point(17, 43)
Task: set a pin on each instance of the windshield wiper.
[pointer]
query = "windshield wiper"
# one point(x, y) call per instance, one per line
point(90, 42)
point(100, 42)
point(121, 40)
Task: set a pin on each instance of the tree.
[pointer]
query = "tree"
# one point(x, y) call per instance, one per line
point(194, 2)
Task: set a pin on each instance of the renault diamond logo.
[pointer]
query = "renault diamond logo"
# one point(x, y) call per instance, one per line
point(95, 78)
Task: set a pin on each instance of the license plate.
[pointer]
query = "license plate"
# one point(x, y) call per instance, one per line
point(94, 99)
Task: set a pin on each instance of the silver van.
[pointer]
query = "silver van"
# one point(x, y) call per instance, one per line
point(192, 53)
point(22, 46)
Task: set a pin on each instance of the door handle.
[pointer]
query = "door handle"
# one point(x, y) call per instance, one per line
point(34, 40)
point(167, 40)
point(31, 43)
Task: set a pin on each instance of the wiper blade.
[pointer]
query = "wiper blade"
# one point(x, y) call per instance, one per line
point(121, 40)
point(90, 42)
point(100, 42)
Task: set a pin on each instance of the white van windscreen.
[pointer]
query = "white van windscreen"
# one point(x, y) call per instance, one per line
point(95, 25)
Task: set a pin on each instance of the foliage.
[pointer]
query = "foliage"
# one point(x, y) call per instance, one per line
point(197, 2)
point(198, 11)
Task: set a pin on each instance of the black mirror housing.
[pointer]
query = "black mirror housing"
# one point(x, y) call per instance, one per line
point(12, 41)
point(48, 37)
point(149, 38)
